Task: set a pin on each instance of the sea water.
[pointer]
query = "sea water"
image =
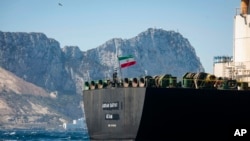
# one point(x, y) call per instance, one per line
point(43, 135)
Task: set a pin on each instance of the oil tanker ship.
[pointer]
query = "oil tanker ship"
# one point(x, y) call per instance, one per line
point(201, 106)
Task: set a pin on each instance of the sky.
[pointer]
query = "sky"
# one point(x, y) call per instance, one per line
point(207, 24)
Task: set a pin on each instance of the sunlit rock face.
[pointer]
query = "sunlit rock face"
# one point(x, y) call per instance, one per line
point(40, 60)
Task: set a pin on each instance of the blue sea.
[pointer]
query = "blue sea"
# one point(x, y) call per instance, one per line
point(43, 135)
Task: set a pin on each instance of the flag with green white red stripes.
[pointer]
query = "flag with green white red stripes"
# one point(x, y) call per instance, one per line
point(126, 61)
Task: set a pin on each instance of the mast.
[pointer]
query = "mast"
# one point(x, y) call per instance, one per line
point(117, 55)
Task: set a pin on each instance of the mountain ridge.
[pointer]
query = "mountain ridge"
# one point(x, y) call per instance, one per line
point(40, 60)
point(151, 43)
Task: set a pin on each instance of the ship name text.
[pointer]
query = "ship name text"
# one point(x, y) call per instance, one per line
point(110, 106)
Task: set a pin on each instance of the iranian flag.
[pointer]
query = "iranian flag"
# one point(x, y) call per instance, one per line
point(126, 61)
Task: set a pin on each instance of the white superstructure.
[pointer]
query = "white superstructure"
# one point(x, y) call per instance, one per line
point(239, 66)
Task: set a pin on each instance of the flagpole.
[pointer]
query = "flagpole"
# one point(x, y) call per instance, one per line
point(117, 53)
point(120, 67)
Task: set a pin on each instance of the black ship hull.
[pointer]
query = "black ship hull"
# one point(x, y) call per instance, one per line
point(165, 113)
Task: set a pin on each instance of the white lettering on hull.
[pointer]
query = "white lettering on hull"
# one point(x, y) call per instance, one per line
point(111, 125)
point(110, 106)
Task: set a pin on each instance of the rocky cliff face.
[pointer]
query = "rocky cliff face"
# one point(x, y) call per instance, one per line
point(156, 51)
point(40, 60)
point(36, 59)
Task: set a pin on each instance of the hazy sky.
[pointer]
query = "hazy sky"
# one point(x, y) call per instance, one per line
point(207, 24)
